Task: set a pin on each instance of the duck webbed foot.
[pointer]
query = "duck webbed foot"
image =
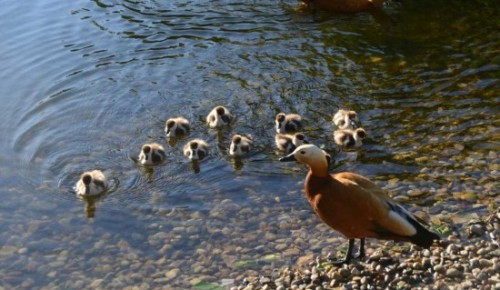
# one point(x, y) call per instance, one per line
point(349, 255)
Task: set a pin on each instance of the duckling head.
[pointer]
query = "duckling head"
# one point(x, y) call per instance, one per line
point(169, 128)
point(195, 150)
point(360, 133)
point(91, 183)
point(151, 154)
point(218, 117)
point(239, 145)
point(280, 119)
point(299, 139)
point(312, 156)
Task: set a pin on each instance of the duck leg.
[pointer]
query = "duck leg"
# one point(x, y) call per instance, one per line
point(361, 253)
point(347, 257)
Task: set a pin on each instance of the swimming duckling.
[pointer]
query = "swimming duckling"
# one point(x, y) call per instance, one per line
point(196, 149)
point(349, 138)
point(288, 143)
point(288, 123)
point(240, 145)
point(91, 183)
point(152, 154)
point(355, 206)
point(176, 127)
point(346, 119)
point(218, 117)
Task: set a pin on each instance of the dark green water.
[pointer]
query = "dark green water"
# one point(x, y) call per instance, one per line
point(85, 83)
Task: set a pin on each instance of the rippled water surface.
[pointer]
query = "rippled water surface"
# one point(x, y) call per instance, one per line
point(85, 83)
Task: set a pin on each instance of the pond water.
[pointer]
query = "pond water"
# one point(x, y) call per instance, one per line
point(85, 83)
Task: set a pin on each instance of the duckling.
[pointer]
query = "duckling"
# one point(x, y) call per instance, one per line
point(346, 119)
point(288, 123)
point(91, 183)
point(288, 143)
point(196, 149)
point(218, 117)
point(152, 154)
point(355, 206)
point(348, 6)
point(176, 127)
point(349, 138)
point(240, 145)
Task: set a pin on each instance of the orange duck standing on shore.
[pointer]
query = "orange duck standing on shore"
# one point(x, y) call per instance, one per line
point(355, 206)
point(343, 5)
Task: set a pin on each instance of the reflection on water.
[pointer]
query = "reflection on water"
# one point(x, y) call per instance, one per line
point(86, 84)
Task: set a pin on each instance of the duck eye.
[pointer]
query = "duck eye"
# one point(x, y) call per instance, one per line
point(341, 123)
point(302, 152)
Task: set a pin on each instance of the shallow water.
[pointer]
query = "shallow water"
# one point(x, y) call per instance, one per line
point(85, 83)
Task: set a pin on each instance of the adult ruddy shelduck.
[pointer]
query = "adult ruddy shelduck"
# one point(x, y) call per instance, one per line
point(355, 206)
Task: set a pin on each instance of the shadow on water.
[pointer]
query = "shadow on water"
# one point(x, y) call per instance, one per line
point(90, 82)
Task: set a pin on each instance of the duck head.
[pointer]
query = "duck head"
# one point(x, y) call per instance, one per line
point(176, 126)
point(196, 149)
point(152, 154)
point(240, 145)
point(312, 156)
point(91, 183)
point(218, 117)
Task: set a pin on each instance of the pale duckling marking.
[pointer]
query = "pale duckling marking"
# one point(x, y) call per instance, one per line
point(91, 183)
point(196, 149)
point(152, 154)
point(240, 145)
point(176, 126)
point(355, 206)
point(288, 123)
point(218, 117)
point(288, 143)
point(344, 119)
point(349, 138)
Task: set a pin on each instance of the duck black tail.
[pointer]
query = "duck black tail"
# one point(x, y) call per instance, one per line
point(423, 237)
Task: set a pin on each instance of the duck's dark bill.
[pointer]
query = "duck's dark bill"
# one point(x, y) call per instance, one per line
point(290, 157)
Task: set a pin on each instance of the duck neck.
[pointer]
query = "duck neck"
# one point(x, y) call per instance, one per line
point(319, 169)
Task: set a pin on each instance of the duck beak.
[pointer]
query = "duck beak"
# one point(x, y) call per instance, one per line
point(289, 157)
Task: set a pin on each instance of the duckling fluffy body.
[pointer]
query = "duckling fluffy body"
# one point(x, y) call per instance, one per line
point(176, 127)
point(288, 143)
point(91, 183)
point(288, 123)
point(349, 138)
point(240, 145)
point(196, 149)
point(355, 206)
point(347, 120)
point(218, 117)
point(152, 154)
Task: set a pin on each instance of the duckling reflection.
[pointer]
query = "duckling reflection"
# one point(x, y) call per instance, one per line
point(288, 123)
point(91, 183)
point(152, 154)
point(175, 127)
point(288, 143)
point(349, 138)
point(344, 119)
point(240, 145)
point(196, 149)
point(218, 117)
